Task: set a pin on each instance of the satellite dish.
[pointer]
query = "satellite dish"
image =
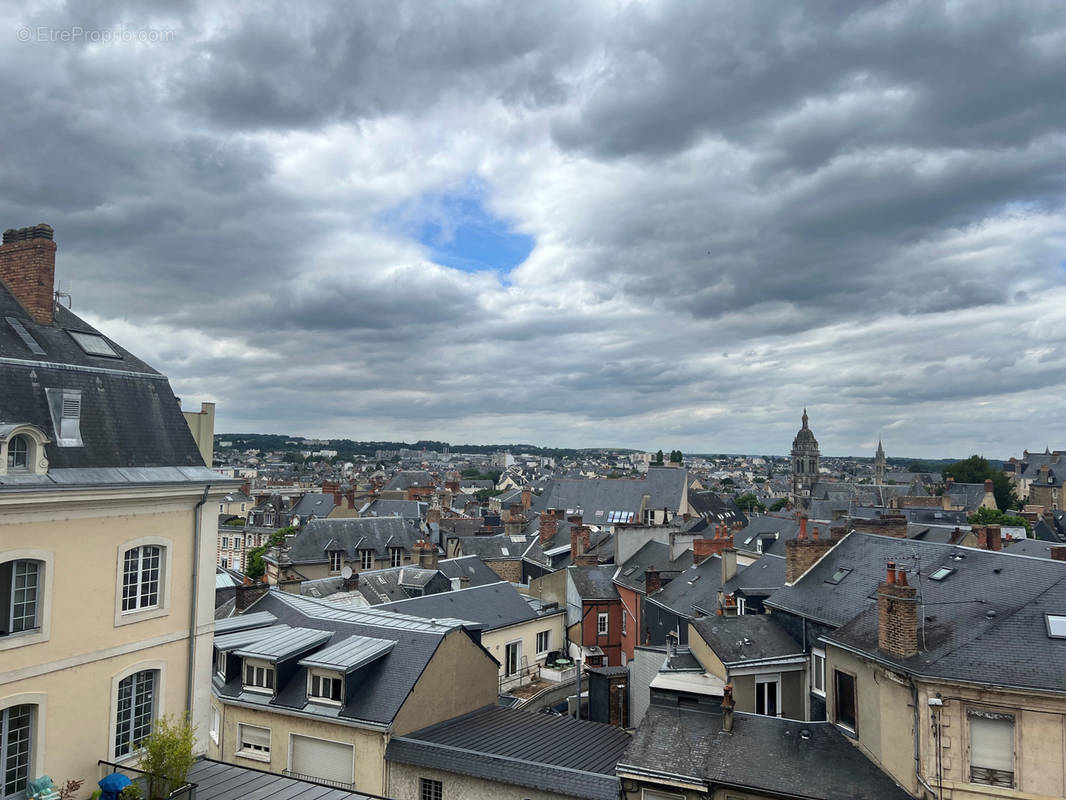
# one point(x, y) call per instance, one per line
point(346, 573)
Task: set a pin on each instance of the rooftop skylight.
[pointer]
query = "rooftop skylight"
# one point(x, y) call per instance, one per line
point(839, 575)
point(1056, 625)
point(94, 344)
point(940, 574)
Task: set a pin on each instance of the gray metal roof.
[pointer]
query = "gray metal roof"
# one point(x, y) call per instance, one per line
point(217, 781)
point(242, 622)
point(349, 654)
point(494, 606)
point(281, 644)
point(556, 754)
point(352, 534)
point(244, 638)
point(595, 498)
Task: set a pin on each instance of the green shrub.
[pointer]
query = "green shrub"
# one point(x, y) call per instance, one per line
point(167, 754)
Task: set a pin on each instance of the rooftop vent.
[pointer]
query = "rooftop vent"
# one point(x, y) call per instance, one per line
point(64, 406)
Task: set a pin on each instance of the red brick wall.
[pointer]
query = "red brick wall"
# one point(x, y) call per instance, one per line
point(28, 269)
point(611, 644)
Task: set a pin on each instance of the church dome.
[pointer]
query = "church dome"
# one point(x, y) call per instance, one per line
point(805, 437)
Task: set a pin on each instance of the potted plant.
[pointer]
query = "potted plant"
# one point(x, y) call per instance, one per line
point(167, 755)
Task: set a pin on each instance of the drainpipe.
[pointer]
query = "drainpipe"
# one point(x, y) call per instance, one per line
point(917, 734)
point(196, 515)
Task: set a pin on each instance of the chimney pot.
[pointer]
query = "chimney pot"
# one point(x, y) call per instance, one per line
point(891, 577)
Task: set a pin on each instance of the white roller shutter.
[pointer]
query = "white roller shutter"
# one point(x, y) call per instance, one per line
point(318, 758)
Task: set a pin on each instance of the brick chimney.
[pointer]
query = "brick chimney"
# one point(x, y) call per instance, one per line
point(426, 552)
point(802, 553)
point(990, 487)
point(652, 583)
point(527, 497)
point(702, 549)
point(549, 526)
point(435, 512)
point(727, 708)
point(897, 615)
point(579, 545)
point(28, 270)
point(989, 537)
point(515, 522)
point(1058, 552)
point(886, 525)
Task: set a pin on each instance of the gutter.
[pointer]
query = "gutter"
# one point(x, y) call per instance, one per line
point(194, 602)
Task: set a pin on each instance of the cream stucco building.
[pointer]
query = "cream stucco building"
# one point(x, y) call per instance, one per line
point(107, 540)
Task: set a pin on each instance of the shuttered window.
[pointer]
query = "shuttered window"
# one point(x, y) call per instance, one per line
point(991, 748)
point(323, 760)
point(253, 740)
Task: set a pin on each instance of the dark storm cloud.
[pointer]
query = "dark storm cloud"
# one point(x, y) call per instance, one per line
point(862, 204)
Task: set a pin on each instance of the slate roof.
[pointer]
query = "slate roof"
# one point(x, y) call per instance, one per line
point(130, 418)
point(318, 504)
point(215, 780)
point(967, 495)
point(407, 479)
point(384, 684)
point(594, 583)
point(353, 534)
point(412, 509)
point(539, 751)
point(762, 753)
point(493, 548)
point(1032, 547)
point(494, 606)
point(595, 498)
point(746, 638)
point(984, 621)
point(652, 555)
point(468, 567)
point(696, 586)
point(384, 585)
point(711, 506)
point(461, 526)
point(761, 578)
point(766, 526)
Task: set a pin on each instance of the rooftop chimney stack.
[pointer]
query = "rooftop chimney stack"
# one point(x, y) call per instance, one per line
point(549, 526)
point(28, 269)
point(727, 708)
point(989, 486)
point(1058, 552)
point(897, 615)
point(527, 497)
point(802, 553)
point(652, 581)
point(427, 554)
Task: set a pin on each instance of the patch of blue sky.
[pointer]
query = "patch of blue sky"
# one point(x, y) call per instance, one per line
point(459, 231)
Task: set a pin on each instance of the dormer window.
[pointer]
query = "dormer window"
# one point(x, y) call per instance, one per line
point(65, 407)
point(18, 452)
point(397, 556)
point(324, 687)
point(259, 676)
point(334, 560)
point(366, 559)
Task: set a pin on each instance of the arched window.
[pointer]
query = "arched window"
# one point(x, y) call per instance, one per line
point(18, 452)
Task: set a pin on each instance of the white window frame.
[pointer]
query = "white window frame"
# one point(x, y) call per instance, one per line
point(603, 624)
point(625, 614)
point(160, 669)
point(336, 560)
point(216, 724)
point(162, 606)
point(1004, 715)
point(256, 752)
point(366, 559)
point(766, 679)
point(396, 556)
point(258, 666)
point(817, 670)
point(293, 736)
point(221, 661)
point(742, 605)
point(517, 645)
point(225, 543)
point(547, 634)
point(46, 571)
point(37, 731)
point(324, 675)
point(655, 794)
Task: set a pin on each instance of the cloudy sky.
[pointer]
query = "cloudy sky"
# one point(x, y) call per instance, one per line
point(643, 224)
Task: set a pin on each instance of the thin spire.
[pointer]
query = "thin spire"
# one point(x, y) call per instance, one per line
point(804, 417)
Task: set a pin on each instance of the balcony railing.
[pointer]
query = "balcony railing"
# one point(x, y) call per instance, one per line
point(147, 781)
point(524, 675)
point(315, 779)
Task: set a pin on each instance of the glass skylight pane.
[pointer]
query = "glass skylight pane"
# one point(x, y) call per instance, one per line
point(1056, 626)
point(93, 343)
point(941, 573)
